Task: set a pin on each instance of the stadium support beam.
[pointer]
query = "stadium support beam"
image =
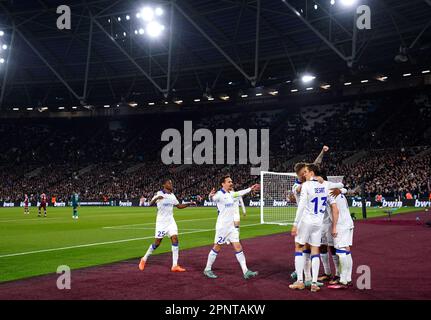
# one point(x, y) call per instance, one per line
point(420, 33)
point(171, 39)
point(130, 58)
point(87, 67)
point(354, 42)
point(206, 36)
point(50, 67)
point(256, 57)
point(6, 72)
point(312, 28)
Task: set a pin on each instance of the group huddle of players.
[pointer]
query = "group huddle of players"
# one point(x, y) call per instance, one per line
point(322, 224)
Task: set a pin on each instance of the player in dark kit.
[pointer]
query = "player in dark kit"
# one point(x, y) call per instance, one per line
point(26, 211)
point(43, 203)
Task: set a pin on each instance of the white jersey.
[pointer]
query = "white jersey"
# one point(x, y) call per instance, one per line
point(312, 203)
point(237, 202)
point(226, 205)
point(165, 207)
point(345, 220)
point(327, 219)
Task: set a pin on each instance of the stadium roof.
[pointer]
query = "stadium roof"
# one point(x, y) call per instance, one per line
point(211, 47)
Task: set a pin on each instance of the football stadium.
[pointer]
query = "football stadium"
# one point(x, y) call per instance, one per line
point(232, 150)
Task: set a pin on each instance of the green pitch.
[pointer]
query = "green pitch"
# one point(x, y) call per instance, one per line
point(33, 246)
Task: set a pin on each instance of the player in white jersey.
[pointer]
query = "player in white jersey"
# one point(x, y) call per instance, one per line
point(327, 242)
point(165, 224)
point(296, 191)
point(225, 227)
point(307, 227)
point(343, 241)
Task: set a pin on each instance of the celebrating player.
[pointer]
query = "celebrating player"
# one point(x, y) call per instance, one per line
point(327, 242)
point(26, 211)
point(75, 204)
point(42, 204)
point(307, 227)
point(165, 224)
point(225, 226)
point(296, 189)
point(343, 241)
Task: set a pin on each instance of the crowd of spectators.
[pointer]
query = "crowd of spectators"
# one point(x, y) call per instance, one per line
point(120, 159)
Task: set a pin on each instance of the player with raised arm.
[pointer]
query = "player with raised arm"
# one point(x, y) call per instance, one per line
point(225, 226)
point(307, 227)
point(26, 211)
point(165, 223)
point(42, 204)
point(296, 190)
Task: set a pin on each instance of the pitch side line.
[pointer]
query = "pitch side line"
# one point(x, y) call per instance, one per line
point(105, 243)
point(142, 228)
point(178, 221)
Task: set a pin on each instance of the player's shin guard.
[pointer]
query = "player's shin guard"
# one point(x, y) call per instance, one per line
point(241, 259)
point(349, 270)
point(344, 265)
point(307, 265)
point(175, 251)
point(325, 261)
point(336, 261)
point(150, 251)
point(299, 266)
point(211, 259)
point(315, 266)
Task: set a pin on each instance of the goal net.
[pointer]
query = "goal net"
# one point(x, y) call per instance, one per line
point(277, 201)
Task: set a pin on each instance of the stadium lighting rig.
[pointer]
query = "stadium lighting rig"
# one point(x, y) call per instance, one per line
point(150, 18)
point(307, 78)
point(3, 47)
point(348, 3)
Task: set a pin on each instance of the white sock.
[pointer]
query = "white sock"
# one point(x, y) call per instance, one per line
point(343, 266)
point(149, 252)
point(325, 262)
point(336, 264)
point(175, 251)
point(299, 266)
point(241, 259)
point(315, 265)
point(350, 267)
point(307, 265)
point(211, 258)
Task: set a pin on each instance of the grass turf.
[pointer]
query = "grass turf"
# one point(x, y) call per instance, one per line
point(33, 246)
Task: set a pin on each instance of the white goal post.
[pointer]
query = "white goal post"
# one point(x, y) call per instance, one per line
point(277, 201)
